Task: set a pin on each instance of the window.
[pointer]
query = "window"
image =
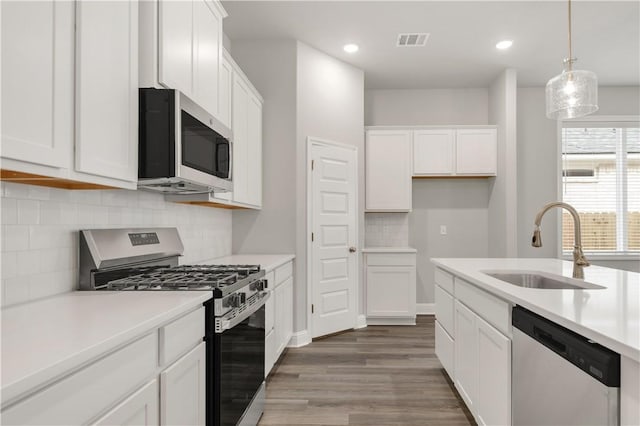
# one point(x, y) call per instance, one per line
point(601, 179)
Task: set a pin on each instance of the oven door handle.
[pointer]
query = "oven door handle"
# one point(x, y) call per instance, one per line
point(227, 323)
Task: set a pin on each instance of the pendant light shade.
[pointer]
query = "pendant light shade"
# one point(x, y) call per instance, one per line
point(573, 93)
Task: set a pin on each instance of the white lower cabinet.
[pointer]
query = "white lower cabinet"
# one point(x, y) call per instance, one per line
point(182, 390)
point(137, 384)
point(141, 408)
point(472, 347)
point(278, 314)
point(395, 271)
point(482, 368)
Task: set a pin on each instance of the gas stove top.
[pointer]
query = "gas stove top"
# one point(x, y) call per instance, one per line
point(224, 278)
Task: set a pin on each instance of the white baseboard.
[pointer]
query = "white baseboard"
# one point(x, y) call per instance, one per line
point(391, 321)
point(299, 339)
point(425, 308)
point(361, 322)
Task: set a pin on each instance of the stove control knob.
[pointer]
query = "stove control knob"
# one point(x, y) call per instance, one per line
point(232, 301)
point(257, 286)
point(242, 298)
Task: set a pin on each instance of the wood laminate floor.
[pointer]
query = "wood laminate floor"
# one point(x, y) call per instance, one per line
point(379, 375)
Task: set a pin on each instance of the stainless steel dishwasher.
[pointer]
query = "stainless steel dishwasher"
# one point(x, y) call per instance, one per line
point(560, 377)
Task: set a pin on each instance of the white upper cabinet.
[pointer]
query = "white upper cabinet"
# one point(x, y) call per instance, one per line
point(476, 152)
point(388, 170)
point(70, 93)
point(175, 45)
point(254, 154)
point(189, 46)
point(239, 126)
point(107, 89)
point(455, 152)
point(225, 89)
point(433, 152)
point(37, 82)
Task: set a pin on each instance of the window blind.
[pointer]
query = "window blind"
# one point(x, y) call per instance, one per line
point(601, 179)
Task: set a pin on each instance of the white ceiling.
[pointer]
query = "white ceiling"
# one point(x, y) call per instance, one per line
point(461, 49)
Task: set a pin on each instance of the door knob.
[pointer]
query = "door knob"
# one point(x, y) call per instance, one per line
point(352, 249)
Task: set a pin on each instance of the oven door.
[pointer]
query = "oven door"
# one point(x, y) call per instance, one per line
point(237, 365)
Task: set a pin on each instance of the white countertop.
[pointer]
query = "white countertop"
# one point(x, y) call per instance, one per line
point(609, 316)
point(45, 339)
point(389, 250)
point(267, 262)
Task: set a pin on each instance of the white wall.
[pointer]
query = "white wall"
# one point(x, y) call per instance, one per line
point(306, 93)
point(330, 105)
point(40, 232)
point(503, 197)
point(432, 106)
point(538, 167)
point(461, 204)
point(271, 67)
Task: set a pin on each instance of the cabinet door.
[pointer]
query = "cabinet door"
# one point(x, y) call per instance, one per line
point(493, 403)
point(466, 355)
point(254, 151)
point(224, 94)
point(182, 390)
point(476, 152)
point(37, 81)
point(433, 152)
point(279, 325)
point(388, 170)
point(288, 311)
point(400, 301)
point(107, 89)
point(175, 45)
point(141, 408)
point(207, 52)
point(445, 349)
point(269, 352)
point(240, 117)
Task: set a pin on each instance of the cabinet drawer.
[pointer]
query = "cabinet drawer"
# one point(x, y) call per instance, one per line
point(284, 272)
point(495, 311)
point(444, 309)
point(391, 259)
point(444, 349)
point(180, 336)
point(77, 398)
point(444, 280)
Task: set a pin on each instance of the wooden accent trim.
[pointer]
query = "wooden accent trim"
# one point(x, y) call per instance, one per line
point(52, 182)
point(452, 177)
point(212, 204)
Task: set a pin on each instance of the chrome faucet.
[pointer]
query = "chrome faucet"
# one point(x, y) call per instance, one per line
point(579, 261)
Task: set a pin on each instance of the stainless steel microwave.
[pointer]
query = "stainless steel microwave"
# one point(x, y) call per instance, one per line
point(182, 148)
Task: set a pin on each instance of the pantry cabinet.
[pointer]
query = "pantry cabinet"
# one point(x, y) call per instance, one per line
point(388, 171)
point(69, 98)
point(395, 271)
point(455, 152)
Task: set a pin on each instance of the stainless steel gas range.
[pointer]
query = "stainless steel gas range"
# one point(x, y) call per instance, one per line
point(147, 260)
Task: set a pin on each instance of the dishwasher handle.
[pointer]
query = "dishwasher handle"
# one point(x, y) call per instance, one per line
point(548, 340)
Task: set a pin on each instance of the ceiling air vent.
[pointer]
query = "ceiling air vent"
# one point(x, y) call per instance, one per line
point(412, 39)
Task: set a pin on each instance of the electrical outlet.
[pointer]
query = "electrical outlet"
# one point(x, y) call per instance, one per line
point(443, 229)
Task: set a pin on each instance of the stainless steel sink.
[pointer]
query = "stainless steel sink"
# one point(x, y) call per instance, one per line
point(531, 279)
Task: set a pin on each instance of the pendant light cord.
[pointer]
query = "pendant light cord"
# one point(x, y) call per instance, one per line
point(570, 52)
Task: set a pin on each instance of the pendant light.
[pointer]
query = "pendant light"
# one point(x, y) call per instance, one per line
point(573, 93)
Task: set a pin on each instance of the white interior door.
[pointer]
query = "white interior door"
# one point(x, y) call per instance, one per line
point(334, 260)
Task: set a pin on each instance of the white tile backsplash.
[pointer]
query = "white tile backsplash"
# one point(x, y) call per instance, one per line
point(386, 229)
point(39, 251)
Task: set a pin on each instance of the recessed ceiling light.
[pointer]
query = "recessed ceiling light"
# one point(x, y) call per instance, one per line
point(504, 44)
point(351, 48)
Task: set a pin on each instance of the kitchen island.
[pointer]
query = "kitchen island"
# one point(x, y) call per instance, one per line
point(609, 315)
